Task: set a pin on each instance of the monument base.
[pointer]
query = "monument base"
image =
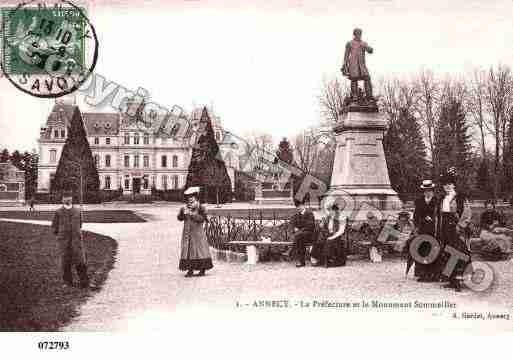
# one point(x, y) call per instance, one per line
point(360, 180)
point(358, 202)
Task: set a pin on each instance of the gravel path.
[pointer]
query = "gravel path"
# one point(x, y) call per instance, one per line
point(145, 290)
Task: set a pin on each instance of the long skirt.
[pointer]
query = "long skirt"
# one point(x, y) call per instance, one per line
point(331, 253)
point(449, 237)
point(195, 252)
point(426, 270)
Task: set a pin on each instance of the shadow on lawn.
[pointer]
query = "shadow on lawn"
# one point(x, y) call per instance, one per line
point(32, 296)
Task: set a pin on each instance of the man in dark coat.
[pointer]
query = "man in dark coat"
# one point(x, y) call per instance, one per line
point(303, 224)
point(424, 219)
point(66, 225)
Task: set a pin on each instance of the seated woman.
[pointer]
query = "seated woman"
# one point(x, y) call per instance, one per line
point(494, 236)
point(329, 249)
point(405, 228)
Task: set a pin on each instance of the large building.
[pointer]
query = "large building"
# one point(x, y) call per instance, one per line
point(125, 156)
point(12, 184)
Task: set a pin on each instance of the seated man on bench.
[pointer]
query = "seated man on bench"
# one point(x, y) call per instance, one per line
point(329, 249)
point(303, 224)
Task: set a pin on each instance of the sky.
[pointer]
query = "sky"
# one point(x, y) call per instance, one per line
point(261, 64)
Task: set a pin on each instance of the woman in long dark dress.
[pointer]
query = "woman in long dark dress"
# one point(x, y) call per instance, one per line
point(330, 248)
point(424, 217)
point(453, 218)
point(195, 252)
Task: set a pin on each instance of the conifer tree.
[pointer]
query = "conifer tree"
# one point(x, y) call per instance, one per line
point(405, 152)
point(452, 142)
point(206, 168)
point(76, 170)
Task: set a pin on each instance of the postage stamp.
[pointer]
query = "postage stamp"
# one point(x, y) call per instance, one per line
point(48, 50)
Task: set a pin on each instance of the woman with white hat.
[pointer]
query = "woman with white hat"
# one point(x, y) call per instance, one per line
point(424, 218)
point(195, 252)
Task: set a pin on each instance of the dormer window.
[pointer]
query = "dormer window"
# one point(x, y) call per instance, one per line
point(107, 126)
point(96, 126)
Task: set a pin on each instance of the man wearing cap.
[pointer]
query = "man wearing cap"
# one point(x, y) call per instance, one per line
point(195, 251)
point(424, 218)
point(303, 224)
point(66, 225)
point(454, 216)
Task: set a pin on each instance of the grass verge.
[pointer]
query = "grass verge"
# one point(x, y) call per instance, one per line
point(33, 297)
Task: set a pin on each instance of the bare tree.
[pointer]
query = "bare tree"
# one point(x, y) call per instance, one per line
point(427, 110)
point(477, 104)
point(331, 99)
point(498, 96)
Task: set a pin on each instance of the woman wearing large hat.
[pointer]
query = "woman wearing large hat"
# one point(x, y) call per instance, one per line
point(195, 252)
point(424, 218)
point(454, 215)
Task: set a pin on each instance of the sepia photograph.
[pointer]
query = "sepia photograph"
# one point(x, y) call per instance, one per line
point(250, 170)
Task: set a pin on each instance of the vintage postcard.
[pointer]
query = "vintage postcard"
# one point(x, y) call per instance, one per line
point(186, 166)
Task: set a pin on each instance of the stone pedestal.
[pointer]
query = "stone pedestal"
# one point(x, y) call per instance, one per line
point(360, 178)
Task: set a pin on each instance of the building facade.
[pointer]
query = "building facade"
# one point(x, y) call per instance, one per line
point(125, 156)
point(12, 184)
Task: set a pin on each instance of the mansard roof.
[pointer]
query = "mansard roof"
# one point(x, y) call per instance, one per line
point(101, 124)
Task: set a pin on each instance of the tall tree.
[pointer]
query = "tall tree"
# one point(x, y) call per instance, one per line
point(499, 91)
point(331, 100)
point(405, 153)
point(508, 156)
point(30, 160)
point(452, 141)
point(17, 160)
point(284, 152)
point(4, 155)
point(477, 104)
point(206, 168)
point(76, 169)
point(428, 88)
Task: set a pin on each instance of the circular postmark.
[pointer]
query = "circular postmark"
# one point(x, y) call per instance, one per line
point(48, 49)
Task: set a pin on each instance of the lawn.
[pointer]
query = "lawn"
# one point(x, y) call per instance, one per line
point(94, 216)
point(32, 296)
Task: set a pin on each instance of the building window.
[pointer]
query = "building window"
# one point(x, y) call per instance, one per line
point(218, 136)
point(53, 156)
point(175, 161)
point(96, 141)
point(164, 182)
point(107, 141)
point(136, 139)
point(146, 139)
point(56, 133)
point(136, 161)
point(52, 180)
point(96, 160)
point(107, 182)
point(146, 161)
point(107, 160)
point(63, 133)
point(127, 161)
point(145, 183)
point(163, 162)
point(175, 182)
point(127, 184)
point(127, 139)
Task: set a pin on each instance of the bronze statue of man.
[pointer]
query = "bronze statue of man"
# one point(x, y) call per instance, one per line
point(354, 64)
